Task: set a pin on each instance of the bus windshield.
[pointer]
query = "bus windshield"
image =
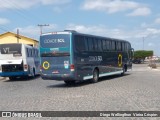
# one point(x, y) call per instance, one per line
point(55, 45)
point(14, 49)
point(55, 41)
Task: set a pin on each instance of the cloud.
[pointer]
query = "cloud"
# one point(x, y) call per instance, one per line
point(4, 21)
point(113, 6)
point(34, 31)
point(26, 4)
point(140, 12)
point(110, 6)
point(57, 2)
point(157, 21)
point(17, 4)
point(99, 30)
point(151, 44)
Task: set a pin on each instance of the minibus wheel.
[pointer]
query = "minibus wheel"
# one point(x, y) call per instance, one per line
point(33, 73)
point(12, 78)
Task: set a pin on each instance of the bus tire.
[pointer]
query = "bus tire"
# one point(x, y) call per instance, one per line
point(33, 74)
point(69, 82)
point(95, 76)
point(124, 69)
point(12, 78)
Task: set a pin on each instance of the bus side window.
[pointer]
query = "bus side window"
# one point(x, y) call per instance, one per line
point(113, 46)
point(86, 43)
point(118, 46)
point(80, 43)
point(95, 45)
point(126, 46)
point(107, 45)
point(90, 44)
point(99, 45)
point(123, 48)
point(104, 45)
point(28, 53)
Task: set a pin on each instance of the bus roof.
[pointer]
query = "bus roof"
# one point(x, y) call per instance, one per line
point(78, 33)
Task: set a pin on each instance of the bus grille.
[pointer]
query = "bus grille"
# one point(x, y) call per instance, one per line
point(12, 68)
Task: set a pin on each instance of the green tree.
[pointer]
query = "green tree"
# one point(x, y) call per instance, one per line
point(142, 54)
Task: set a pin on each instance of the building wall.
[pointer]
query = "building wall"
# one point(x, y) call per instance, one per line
point(11, 38)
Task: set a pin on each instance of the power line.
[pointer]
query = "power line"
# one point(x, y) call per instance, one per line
point(41, 26)
point(20, 11)
point(4, 28)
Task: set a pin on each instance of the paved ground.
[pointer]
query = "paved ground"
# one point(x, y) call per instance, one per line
point(136, 91)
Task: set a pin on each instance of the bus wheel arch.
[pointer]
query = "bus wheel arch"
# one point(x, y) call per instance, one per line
point(124, 69)
point(95, 75)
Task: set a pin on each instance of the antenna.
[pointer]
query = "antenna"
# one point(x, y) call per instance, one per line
point(17, 36)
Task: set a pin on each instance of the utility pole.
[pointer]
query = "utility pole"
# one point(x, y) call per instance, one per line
point(17, 36)
point(143, 43)
point(41, 26)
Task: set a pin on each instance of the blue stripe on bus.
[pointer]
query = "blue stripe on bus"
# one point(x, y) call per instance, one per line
point(8, 74)
point(102, 75)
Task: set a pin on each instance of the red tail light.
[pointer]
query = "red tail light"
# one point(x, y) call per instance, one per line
point(25, 67)
point(72, 67)
point(41, 68)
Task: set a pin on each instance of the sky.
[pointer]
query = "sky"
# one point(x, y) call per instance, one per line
point(137, 21)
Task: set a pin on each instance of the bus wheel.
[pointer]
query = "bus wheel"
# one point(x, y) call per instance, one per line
point(12, 78)
point(33, 74)
point(124, 70)
point(69, 82)
point(95, 76)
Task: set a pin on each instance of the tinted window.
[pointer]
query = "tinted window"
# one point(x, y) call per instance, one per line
point(55, 41)
point(80, 43)
point(99, 45)
point(95, 44)
point(10, 49)
point(104, 46)
point(123, 46)
point(108, 45)
point(118, 46)
point(113, 46)
point(90, 44)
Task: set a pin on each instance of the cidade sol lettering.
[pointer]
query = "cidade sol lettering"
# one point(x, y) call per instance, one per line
point(54, 41)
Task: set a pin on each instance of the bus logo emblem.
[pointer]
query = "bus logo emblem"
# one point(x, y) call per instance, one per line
point(119, 60)
point(46, 65)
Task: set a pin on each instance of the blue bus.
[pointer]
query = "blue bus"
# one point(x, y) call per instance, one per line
point(72, 56)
